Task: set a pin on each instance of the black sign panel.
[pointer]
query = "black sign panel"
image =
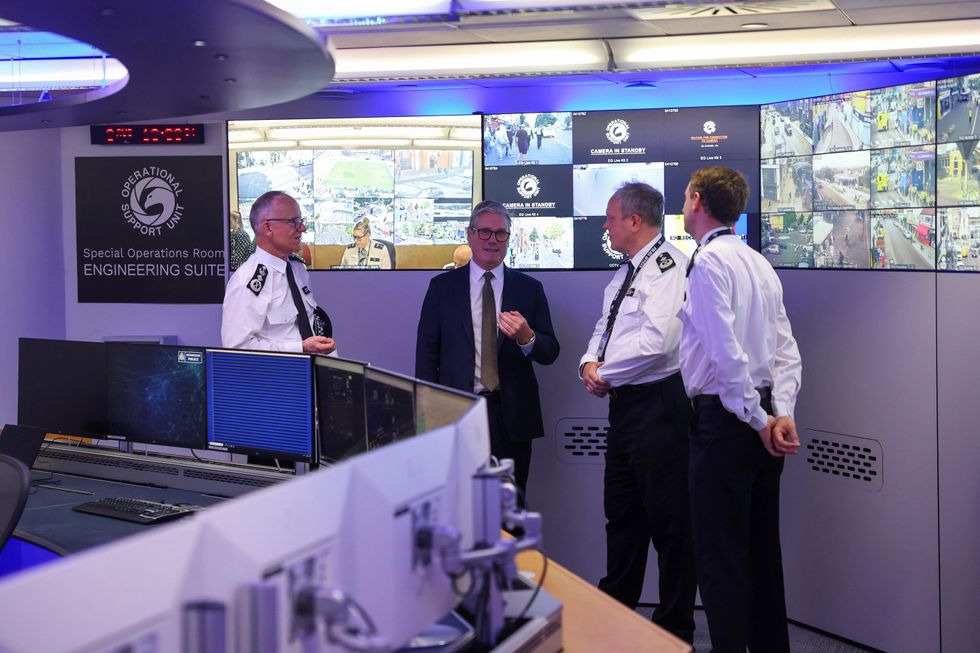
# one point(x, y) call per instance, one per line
point(709, 134)
point(677, 175)
point(531, 191)
point(634, 136)
point(591, 245)
point(150, 229)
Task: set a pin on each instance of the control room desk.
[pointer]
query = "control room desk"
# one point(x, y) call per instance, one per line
point(591, 620)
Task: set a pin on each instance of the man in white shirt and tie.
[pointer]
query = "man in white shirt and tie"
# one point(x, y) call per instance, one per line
point(742, 369)
point(633, 357)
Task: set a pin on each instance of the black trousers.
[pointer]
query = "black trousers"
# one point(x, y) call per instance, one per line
point(645, 500)
point(502, 444)
point(735, 512)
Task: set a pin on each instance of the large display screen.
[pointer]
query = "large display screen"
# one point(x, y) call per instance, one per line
point(411, 179)
point(556, 171)
point(879, 179)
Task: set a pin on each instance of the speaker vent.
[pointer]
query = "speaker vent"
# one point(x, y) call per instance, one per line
point(106, 461)
point(844, 458)
point(238, 479)
point(581, 440)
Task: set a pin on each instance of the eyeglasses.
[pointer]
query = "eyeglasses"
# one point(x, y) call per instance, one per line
point(501, 235)
point(295, 223)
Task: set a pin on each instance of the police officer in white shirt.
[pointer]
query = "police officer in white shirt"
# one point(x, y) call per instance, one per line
point(264, 296)
point(742, 369)
point(633, 357)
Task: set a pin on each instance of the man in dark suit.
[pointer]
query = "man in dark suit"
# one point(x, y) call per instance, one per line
point(481, 327)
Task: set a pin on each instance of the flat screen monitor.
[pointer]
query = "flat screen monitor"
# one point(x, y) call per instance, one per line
point(437, 406)
point(260, 404)
point(389, 400)
point(157, 394)
point(340, 408)
point(61, 386)
point(21, 442)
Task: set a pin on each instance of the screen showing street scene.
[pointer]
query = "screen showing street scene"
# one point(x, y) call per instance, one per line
point(881, 185)
point(375, 193)
point(787, 128)
point(959, 239)
point(557, 195)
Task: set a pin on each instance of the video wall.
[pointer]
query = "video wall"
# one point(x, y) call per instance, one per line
point(879, 179)
point(556, 171)
point(411, 178)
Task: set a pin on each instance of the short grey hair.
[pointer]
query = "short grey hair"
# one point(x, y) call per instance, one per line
point(643, 200)
point(489, 206)
point(262, 205)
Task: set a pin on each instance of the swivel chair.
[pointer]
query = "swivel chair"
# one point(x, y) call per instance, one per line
point(15, 482)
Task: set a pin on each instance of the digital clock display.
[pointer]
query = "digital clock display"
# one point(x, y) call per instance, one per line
point(147, 134)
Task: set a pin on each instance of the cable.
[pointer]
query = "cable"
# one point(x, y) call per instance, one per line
point(537, 588)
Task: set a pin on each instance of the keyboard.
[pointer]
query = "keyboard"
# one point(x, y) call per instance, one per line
point(139, 511)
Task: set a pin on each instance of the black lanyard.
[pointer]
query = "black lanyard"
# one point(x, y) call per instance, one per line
point(727, 231)
point(621, 295)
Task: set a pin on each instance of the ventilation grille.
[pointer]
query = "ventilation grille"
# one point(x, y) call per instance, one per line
point(582, 440)
point(844, 458)
point(108, 461)
point(238, 479)
point(728, 10)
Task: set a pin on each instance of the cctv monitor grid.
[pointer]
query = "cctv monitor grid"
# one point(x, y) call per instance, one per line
point(245, 402)
point(556, 183)
point(877, 179)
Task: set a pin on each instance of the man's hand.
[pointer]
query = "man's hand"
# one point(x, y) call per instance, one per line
point(319, 345)
point(593, 382)
point(766, 436)
point(784, 437)
point(515, 327)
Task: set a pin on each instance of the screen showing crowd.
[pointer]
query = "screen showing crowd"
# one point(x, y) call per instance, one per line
point(884, 178)
point(376, 193)
point(555, 171)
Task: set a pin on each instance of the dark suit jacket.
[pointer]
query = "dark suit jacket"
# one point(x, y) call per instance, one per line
point(445, 352)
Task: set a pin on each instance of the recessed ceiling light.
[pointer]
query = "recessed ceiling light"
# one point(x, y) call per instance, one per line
point(754, 25)
point(200, 44)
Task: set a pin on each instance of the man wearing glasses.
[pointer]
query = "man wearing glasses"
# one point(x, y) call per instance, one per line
point(481, 327)
point(268, 302)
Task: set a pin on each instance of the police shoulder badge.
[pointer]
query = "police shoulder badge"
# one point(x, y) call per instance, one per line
point(378, 245)
point(352, 245)
point(257, 282)
point(665, 261)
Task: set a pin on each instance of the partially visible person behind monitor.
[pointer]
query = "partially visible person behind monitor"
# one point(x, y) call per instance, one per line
point(461, 256)
point(240, 244)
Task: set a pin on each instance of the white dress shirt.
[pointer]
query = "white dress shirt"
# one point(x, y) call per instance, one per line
point(476, 309)
point(736, 335)
point(265, 319)
point(643, 345)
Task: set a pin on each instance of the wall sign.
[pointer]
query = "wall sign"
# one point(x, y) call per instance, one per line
point(150, 229)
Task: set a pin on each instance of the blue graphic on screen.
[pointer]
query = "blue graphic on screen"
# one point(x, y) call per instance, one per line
point(260, 404)
point(156, 394)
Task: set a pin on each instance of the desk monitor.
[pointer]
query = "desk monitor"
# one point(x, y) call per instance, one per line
point(61, 386)
point(436, 406)
point(260, 404)
point(21, 442)
point(389, 400)
point(157, 394)
point(340, 408)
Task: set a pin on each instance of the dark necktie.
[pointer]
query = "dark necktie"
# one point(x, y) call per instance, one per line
point(614, 308)
point(488, 337)
point(362, 257)
point(302, 320)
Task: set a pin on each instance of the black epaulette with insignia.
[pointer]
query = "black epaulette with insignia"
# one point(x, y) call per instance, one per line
point(665, 261)
point(257, 282)
point(352, 245)
point(378, 246)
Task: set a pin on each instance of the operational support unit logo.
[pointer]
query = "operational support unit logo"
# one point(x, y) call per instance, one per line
point(618, 131)
point(151, 195)
point(528, 186)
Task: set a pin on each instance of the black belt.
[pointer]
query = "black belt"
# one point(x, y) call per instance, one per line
point(714, 400)
point(622, 390)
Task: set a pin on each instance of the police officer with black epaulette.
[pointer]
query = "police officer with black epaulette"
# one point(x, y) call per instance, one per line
point(364, 251)
point(268, 302)
point(633, 358)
